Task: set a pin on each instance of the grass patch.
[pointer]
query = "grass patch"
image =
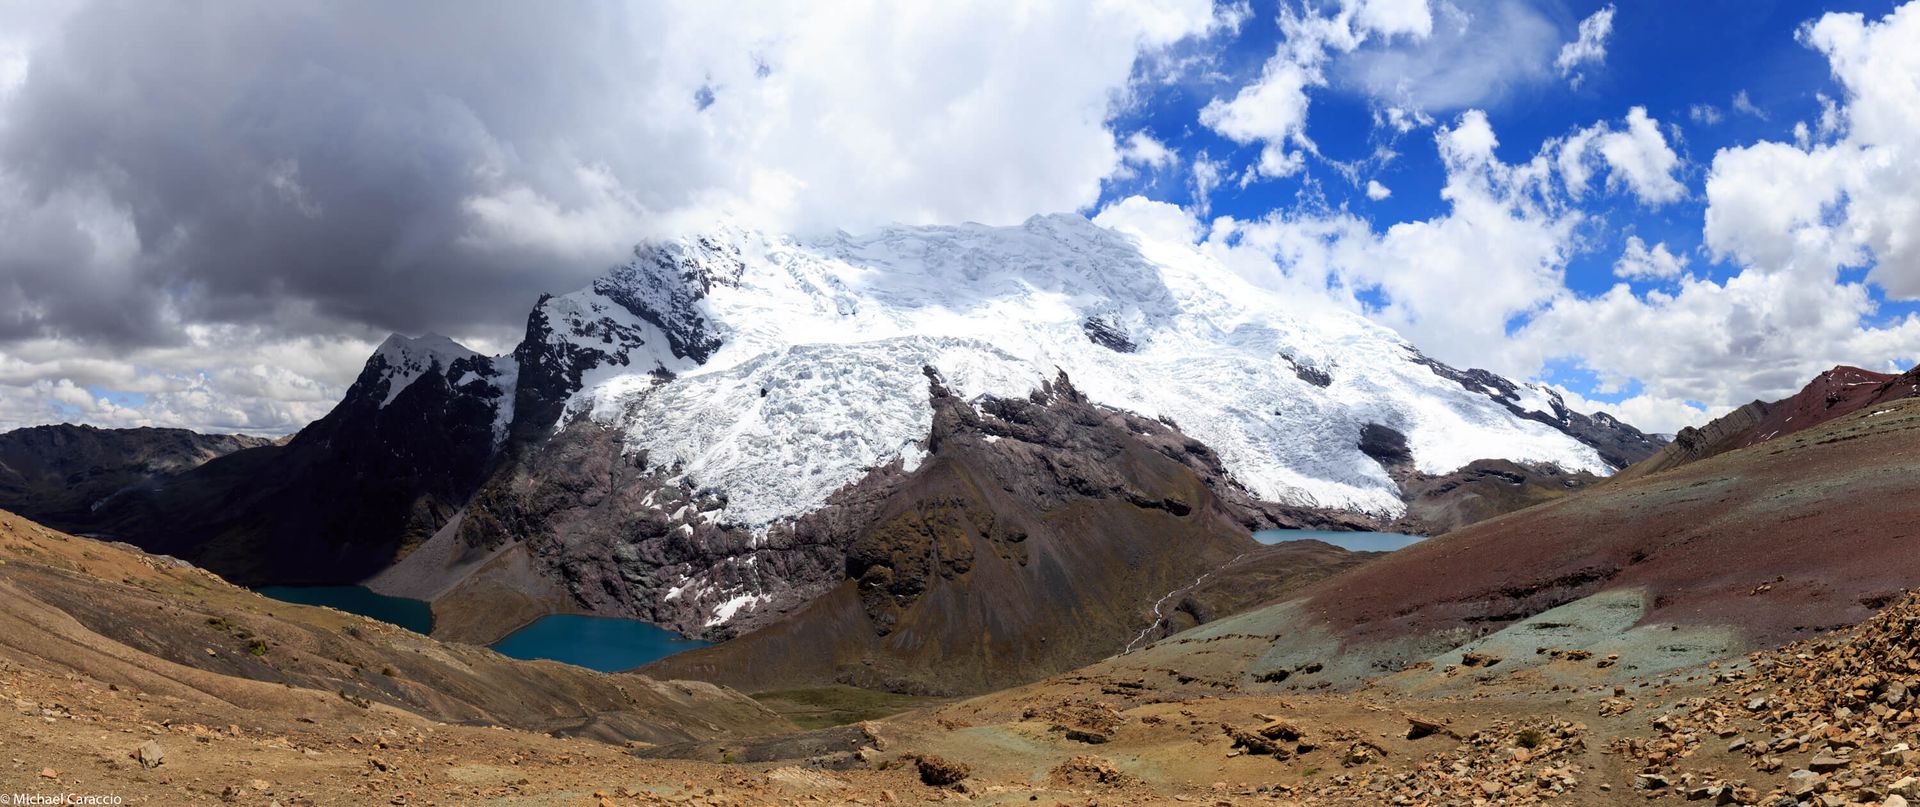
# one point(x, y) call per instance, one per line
point(823, 707)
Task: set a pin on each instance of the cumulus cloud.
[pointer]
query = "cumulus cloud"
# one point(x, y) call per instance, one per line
point(1810, 209)
point(1272, 111)
point(1503, 235)
point(1637, 158)
point(1377, 191)
point(317, 169)
point(215, 379)
point(1589, 48)
point(1640, 262)
point(1790, 218)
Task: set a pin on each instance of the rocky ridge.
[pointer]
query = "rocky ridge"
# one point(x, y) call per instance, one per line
point(65, 473)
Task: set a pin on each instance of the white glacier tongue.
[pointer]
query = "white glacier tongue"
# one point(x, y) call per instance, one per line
point(775, 371)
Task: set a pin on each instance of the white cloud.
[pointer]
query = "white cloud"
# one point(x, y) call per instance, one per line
point(1142, 149)
point(1705, 114)
point(1500, 237)
point(1151, 220)
point(1641, 159)
point(1392, 17)
point(1640, 262)
point(1377, 191)
point(1638, 159)
point(1271, 111)
point(1812, 208)
point(1207, 174)
point(220, 379)
point(1590, 47)
point(1756, 335)
point(1477, 53)
point(1790, 217)
point(1744, 104)
point(1647, 412)
point(397, 172)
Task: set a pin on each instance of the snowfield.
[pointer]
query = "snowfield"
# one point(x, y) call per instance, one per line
point(775, 371)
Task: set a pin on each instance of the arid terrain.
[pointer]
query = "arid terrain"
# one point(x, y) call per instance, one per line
point(133, 675)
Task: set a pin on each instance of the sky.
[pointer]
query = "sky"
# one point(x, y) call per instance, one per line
point(211, 212)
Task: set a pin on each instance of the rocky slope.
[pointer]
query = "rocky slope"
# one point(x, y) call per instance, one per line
point(1037, 535)
point(1833, 394)
point(151, 625)
point(62, 474)
point(1484, 489)
point(1619, 696)
point(416, 434)
point(1748, 549)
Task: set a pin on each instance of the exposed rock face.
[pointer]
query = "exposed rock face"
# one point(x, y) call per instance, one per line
point(1619, 444)
point(1719, 436)
point(1038, 534)
point(61, 474)
point(1387, 446)
point(1833, 394)
point(1482, 490)
point(411, 441)
point(627, 541)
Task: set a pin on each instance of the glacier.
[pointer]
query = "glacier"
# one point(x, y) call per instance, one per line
point(773, 371)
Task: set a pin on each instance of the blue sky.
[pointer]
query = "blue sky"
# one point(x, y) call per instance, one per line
point(1667, 57)
point(1714, 75)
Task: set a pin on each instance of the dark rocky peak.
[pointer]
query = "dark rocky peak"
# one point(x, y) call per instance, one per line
point(664, 284)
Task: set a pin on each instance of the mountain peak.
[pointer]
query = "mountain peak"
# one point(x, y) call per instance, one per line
point(401, 360)
point(779, 369)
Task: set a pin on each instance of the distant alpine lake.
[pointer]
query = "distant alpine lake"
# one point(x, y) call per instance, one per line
point(413, 615)
point(599, 643)
point(1350, 541)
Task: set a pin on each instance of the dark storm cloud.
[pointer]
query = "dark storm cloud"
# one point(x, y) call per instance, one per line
point(304, 165)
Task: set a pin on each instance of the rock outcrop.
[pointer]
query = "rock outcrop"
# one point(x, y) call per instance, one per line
point(1833, 394)
point(63, 474)
point(1037, 535)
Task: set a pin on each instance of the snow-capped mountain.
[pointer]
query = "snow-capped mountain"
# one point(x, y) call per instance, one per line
point(775, 371)
point(949, 431)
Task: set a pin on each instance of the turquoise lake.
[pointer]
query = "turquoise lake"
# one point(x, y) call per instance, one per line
point(413, 615)
point(595, 642)
point(1351, 541)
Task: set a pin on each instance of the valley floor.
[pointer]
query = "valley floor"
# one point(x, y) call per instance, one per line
point(1747, 733)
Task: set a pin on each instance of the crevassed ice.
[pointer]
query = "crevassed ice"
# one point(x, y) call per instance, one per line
point(819, 377)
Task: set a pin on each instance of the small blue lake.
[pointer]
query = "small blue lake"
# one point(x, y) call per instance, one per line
point(413, 615)
point(1350, 541)
point(595, 642)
